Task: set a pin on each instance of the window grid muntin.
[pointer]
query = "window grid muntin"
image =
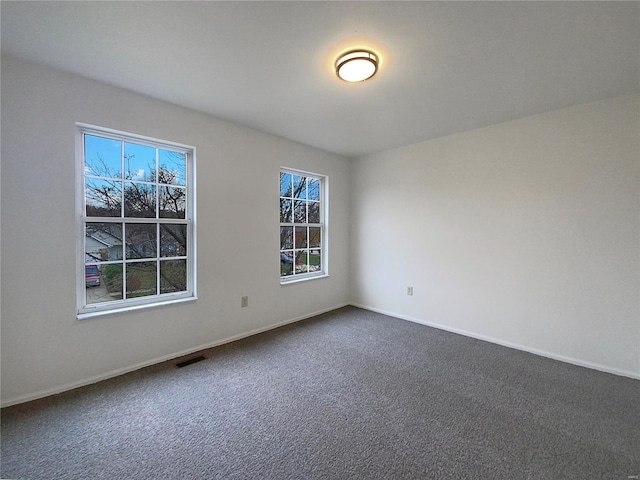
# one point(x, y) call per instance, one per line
point(189, 202)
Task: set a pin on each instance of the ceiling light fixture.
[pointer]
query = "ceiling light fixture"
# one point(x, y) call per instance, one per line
point(357, 65)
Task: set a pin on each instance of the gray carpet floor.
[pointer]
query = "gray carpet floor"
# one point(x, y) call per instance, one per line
point(350, 394)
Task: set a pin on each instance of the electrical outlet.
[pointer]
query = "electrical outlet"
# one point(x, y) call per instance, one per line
point(409, 290)
point(244, 301)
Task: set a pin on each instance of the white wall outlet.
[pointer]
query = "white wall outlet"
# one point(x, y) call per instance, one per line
point(409, 290)
point(244, 301)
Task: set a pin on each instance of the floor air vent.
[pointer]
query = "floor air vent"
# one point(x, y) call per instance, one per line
point(190, 361)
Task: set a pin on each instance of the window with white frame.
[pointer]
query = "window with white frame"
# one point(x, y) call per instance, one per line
point(303, 241)
point(136, 244)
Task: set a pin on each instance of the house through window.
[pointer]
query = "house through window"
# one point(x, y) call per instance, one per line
point(137, 221)
point(302, 225)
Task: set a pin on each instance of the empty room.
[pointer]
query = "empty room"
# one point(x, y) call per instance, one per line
point(320, 240)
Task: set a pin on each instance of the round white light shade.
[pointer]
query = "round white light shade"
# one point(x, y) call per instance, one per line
point(356, 66)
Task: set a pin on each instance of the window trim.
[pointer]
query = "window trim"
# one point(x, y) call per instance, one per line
point(324, 225)
point(84, 311)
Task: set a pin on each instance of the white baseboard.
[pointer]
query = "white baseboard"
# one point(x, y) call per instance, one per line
point(164, 358)
point(524, 348)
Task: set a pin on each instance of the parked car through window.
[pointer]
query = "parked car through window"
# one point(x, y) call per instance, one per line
point(91, 276)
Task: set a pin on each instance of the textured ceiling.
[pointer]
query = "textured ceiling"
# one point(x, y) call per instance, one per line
point(446, 67)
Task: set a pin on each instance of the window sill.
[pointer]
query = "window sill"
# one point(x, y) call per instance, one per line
point(132, 308)
point(288, 281)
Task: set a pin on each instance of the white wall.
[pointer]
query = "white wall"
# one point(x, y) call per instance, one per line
point(525, 233)
point(44, 347)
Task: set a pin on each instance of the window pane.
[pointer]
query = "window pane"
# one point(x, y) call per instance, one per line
point(173, 240)
point(141, 279)
point(140, 240)
point(173, 276)
point(286, 263)
point(103, 198)
point(315, 264)
point(103, 242)
point(285, 184)
point(139, 162)
point(96, 291)
point(112, 278)
point(286, 238)
point(314, 212)
point(103, 157)
point(173, 202)
point(299, 187)
point(285, 211)
point(301, 261)
point(301, 237)
point(139, 200)
point(300, 211)
point(313, 188)
point(172, 167)
point(314, 237)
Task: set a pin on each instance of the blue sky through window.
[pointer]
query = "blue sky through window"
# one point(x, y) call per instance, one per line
point(103, 157)
point(139, 162)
